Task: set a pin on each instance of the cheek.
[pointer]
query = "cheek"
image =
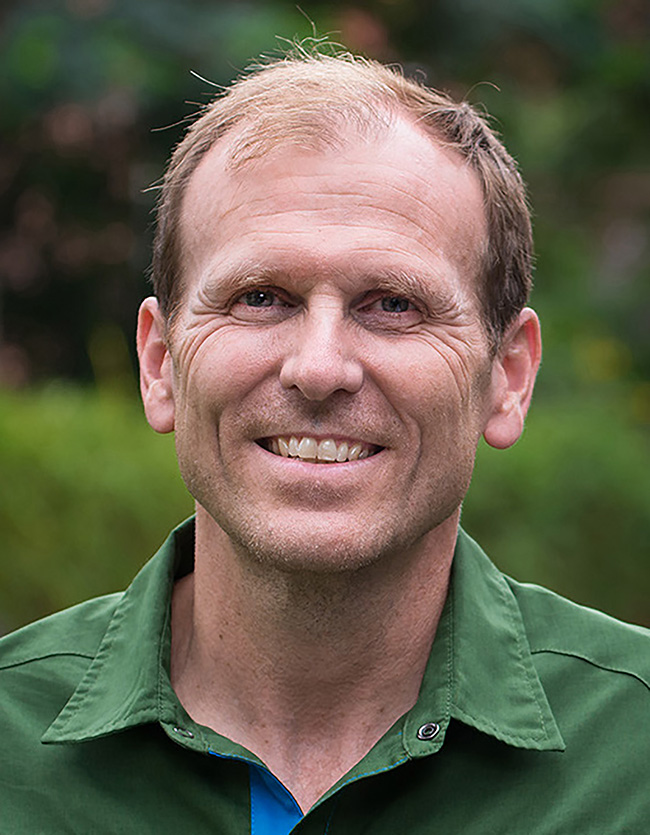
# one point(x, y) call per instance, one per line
point(442, 417)
point(418, 380)
point(224, 368)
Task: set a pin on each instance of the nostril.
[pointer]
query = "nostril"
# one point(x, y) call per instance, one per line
point(319, 377)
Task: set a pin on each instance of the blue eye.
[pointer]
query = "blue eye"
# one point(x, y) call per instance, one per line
point(395, 304)
point(258, 298)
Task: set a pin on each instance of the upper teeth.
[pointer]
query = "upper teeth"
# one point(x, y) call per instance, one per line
point(309, 449)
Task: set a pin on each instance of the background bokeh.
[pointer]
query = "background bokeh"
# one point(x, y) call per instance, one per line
point(94, 93)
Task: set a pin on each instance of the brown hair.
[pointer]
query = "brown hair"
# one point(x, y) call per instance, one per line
point(304, 100)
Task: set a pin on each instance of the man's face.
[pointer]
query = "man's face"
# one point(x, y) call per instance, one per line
point(330, 307)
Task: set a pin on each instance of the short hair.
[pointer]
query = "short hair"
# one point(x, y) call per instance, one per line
point(304, 99)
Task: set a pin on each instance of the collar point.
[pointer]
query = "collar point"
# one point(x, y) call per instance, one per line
point(545, 736)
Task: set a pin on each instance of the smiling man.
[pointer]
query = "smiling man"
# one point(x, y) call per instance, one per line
point(341, 271)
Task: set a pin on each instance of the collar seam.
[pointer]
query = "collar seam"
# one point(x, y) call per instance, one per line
point(138, 718)
point(509, 603)
point(166, 711)
point(88, 680)
point(451, 668)
point(482, 724)
point(159, 662)
point(610, 668)
point(355, 777)
point(35, 658)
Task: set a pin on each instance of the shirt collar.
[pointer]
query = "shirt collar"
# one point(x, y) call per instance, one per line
point(126, 681)
point(480, 670)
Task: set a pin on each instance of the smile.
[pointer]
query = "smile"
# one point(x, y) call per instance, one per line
point(325, 451)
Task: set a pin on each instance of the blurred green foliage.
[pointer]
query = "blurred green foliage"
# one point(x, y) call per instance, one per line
point(569, 506)
point(88, 491)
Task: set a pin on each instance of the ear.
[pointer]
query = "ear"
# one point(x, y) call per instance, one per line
point(513, 379)
point(156, 367)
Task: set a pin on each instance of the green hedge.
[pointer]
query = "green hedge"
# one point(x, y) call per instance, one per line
point(88, 492)
point(569, 506)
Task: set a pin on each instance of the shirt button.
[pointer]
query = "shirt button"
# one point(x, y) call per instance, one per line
point(428, 731)
point(184, 732)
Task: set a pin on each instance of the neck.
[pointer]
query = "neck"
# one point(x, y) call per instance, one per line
point(323, 663)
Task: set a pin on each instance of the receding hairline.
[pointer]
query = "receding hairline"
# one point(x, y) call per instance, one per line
point(317, 109)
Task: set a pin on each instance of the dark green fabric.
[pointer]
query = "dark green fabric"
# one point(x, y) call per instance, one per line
point(543, 708)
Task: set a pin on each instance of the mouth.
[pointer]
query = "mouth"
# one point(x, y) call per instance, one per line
point(318, 451)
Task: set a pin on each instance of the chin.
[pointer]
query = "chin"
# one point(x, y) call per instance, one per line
point(314, 551)
point(327, 541)
point(303, 542)
point(324, 546)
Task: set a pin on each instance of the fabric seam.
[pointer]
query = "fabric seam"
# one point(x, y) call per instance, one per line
point(598, 664)
point(66, 654)
point(509, 601)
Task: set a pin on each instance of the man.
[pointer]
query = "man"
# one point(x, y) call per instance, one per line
point(341, 271)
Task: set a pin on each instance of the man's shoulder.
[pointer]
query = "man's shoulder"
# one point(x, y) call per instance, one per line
point(564, 629)
point(41, 666)
point(76, 631)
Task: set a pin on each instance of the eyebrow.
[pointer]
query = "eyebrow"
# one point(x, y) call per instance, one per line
point(248, 274)
point(240, 277)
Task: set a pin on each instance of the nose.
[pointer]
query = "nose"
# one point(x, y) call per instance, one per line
point(320, 359)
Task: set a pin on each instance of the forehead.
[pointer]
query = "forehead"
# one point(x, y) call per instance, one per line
point(401, 201)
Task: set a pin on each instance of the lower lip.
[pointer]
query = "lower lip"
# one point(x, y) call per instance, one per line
point(304, 485)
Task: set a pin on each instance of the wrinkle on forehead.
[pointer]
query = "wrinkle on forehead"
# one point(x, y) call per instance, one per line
point(363, 173)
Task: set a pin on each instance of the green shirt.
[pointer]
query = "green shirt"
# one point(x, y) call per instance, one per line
point(533, 717)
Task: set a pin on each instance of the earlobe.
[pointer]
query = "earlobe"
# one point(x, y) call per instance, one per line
point(155, 367)
point(513, 378)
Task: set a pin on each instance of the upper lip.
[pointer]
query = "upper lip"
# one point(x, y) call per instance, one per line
point(321, 436)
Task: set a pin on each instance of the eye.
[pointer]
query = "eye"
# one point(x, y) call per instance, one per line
point(262, 304)
point(258, 298)
point(395, 304)
point(383, 311)
point(378, 303)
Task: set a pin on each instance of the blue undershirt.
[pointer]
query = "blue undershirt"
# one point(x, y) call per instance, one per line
point(274, 810)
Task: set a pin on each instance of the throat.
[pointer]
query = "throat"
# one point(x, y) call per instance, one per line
point(306, 669)
point(312, 667)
